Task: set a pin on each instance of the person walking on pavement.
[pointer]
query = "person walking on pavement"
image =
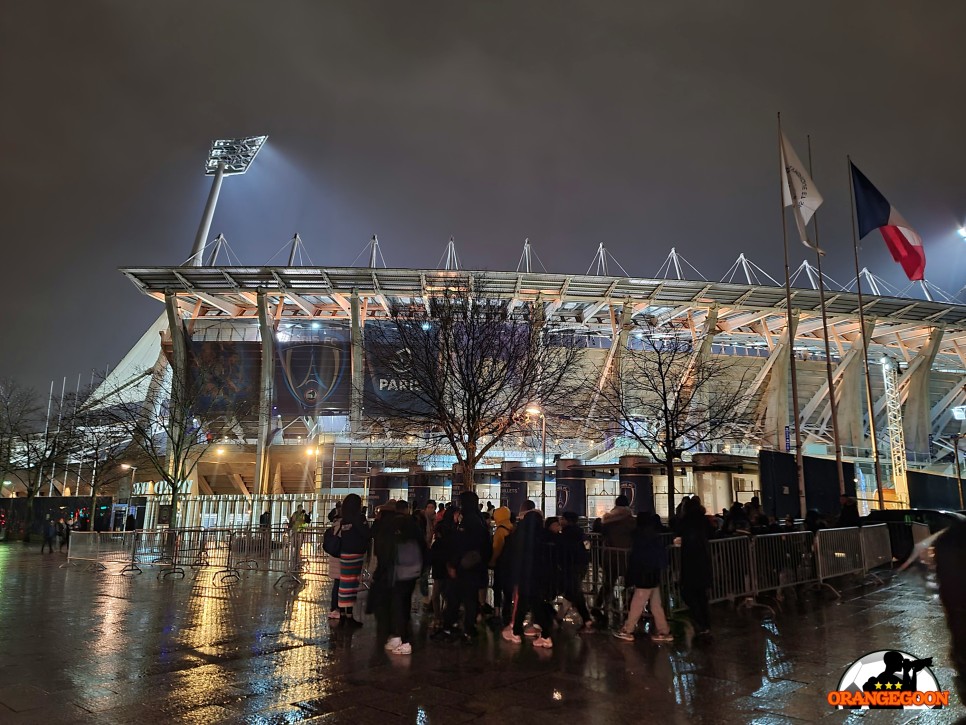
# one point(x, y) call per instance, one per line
point(647, 562)
point(63, 534)
point(49, 532)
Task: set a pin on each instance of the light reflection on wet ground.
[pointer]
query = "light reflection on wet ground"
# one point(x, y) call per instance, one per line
point(77, 646)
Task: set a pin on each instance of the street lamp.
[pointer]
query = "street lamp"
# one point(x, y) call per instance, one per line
point(535, 410)
point(227, 157)
point(134, 470)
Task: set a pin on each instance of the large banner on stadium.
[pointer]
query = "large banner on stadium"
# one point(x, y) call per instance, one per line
point(314, 378)
point(224, 375)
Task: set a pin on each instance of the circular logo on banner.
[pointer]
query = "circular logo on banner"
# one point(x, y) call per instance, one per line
point(889, 679)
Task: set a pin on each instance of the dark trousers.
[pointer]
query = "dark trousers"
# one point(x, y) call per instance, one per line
point(402, 604)
point(465, 590)
point(613, 570)
point(573, 592)
point(696, 597)
point(48, 541)
point(503, 595)
point(334, 596)
point(538, 606)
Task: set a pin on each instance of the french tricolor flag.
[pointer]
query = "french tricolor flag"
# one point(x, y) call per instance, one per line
point(873, 211)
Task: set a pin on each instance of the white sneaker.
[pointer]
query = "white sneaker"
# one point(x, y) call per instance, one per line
point(393, 643)
point(533, 630)
point(404, 649)
point(544, 642)
point(334, 614)
point(510, 637)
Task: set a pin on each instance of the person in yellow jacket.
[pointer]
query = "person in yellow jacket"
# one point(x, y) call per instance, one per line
point(502, 586)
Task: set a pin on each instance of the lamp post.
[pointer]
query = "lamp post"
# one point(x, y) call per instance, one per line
point(227, 157)
point(535, 410)
point(134, 470)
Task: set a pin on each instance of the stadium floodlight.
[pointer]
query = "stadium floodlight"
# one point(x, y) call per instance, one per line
point(234, 155)
point(962, 232)
point(227, 157)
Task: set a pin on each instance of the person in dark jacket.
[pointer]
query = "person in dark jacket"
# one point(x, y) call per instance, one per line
point(355, 543)
point(467, 567)
point(444, 533)
point(647, 563)
point(63, 533)
point(693, 532)
point(573, 559)
point(849, 513)
point(50, 533)
point(528, 550)
point(616, 527)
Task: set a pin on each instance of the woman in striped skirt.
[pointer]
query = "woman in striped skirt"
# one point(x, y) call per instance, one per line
point(355, 544)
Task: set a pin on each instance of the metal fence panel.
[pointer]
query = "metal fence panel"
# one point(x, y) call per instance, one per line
point(876, 546)
point(732, 570)
point(82, 546)
point(839, 552)
point(782, 560)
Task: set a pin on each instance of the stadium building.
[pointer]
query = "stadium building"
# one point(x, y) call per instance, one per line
point(263, 323)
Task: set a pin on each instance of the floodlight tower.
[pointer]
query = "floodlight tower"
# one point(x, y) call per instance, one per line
point(227, 157)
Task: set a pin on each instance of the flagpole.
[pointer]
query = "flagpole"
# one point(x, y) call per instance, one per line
point(833, 405)
point(800, 470)
point(870, 401)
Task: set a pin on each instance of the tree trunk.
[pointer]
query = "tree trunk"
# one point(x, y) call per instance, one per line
point(669, 470)
point(468, 470)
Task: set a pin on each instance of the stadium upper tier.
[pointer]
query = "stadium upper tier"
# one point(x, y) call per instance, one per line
point(747, 315)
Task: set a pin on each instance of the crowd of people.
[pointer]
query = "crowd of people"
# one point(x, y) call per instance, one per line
point(519, 572)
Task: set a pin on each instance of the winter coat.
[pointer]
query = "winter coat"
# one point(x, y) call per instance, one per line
point(648, 559)
point(355, 535)
point(472, 548)
point(572, 553)
point(695, 532)
point(617, 526)
point(501, 517)
point(529, 549)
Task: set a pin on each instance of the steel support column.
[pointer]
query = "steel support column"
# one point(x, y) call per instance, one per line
point(265, 394)
point(916, 414)
point(355, 414)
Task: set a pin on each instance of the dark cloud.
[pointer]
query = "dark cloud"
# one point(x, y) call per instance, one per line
point(572, 123)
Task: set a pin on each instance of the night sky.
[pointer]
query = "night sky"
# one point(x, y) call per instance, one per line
point(571, 123)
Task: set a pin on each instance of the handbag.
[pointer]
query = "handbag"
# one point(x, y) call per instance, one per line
point(332, 541)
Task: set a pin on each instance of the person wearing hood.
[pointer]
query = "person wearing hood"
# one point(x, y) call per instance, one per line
point(467, 567)
point(617, 527)
point(502, 589)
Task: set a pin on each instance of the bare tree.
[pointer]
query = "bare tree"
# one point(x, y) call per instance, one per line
point(459, 368)
point(103, 448)
point(170, 429)
point(670, 394)
point(35, 436)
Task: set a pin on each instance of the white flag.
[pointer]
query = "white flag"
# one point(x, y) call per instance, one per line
point(798, 191)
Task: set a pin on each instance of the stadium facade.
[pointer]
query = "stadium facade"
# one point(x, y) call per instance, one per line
point(273, 328)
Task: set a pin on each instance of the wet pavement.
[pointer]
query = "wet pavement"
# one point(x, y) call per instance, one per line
point(81, 646)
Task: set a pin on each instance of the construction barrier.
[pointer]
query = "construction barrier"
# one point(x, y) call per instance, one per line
point(876, 546)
